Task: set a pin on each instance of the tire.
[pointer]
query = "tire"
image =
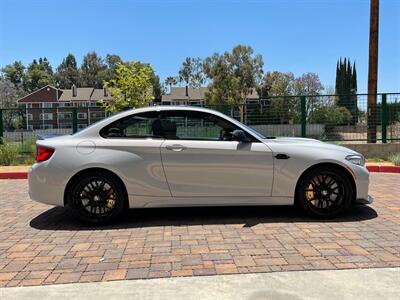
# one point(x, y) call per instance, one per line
point(324, 192)
point(96, 198)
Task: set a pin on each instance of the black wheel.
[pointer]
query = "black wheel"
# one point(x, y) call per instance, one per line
point(325, 193)
point(96, 198)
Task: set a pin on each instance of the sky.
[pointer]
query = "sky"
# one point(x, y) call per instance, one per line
point(296, 36)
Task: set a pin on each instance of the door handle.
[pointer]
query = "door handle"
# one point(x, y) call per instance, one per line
point(282, 156)
point(176, 147)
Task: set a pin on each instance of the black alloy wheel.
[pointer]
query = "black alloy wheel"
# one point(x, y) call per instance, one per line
point(97, 198)
point(325, 193)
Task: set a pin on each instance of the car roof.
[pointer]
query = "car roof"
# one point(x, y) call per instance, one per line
point(94, 129)
point(171, 107)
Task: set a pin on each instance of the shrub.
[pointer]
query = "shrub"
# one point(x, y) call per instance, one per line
point(8, 154)
point(375, 159)
point(330, 115)
point(28, 148)
point(395, 158)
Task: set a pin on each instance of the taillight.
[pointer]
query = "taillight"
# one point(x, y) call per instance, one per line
point(43, 153)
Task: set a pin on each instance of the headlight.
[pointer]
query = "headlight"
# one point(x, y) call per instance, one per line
point(356, 159)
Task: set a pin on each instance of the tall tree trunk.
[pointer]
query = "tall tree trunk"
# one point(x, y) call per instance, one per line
point(373, 71)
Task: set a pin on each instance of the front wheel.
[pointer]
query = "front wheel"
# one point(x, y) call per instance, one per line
point(325, 193)
point(96, 198)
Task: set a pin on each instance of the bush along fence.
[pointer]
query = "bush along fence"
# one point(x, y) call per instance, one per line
point(337, 118)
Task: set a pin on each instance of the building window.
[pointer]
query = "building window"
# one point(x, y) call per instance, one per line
point(82, 116)
point(28, 105)
point(29, 127)
point(95, 104)
point(179, 103)
point(46, 116)
point(46, 126)
point(82, 104)
point(46, 105)
point(65, 126)
point(81, 126)
point(29, 117)
point(97, 115)
point(64, 116)
point(64, 104)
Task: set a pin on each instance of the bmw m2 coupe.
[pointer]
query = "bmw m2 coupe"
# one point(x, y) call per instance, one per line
point(165, 156)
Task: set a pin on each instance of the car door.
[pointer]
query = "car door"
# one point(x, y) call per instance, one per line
point(200, 158)
point(131, 145)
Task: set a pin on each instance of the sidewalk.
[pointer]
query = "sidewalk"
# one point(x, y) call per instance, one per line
point(344, 284)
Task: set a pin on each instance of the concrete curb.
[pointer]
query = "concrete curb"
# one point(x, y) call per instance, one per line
point(363, 284)
point(372, 169)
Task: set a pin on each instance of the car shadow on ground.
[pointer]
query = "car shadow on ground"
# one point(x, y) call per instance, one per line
point(60, 218)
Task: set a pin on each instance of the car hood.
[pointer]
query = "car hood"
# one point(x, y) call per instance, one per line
point(306, 143)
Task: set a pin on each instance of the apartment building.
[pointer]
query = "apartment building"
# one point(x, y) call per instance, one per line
point(49, 107)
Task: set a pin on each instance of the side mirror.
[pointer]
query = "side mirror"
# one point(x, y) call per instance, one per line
point(240, 136)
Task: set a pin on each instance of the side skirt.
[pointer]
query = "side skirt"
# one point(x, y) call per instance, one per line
point(148, 201)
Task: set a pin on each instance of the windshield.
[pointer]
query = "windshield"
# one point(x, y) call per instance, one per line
point(255, 132)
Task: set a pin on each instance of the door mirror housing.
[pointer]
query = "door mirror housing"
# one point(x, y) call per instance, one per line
point(240, 136)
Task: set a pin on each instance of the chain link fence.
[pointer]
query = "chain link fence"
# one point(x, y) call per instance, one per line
point(336, 118)
point(325, 117)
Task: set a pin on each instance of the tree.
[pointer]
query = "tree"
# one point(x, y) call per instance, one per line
point(220, 90)
point(191, 73)
point(234, 75)
point(92, 70)
point(38, 75)
point(346, 86)
point(280, 91)
point(280, 84)
point(170, 81)
point(309, 84)
point(67, 72)
point(330, 116)
point(14, 73)
point(112, 61)
point(279, 105)
point(9, 94)
point(158, 88)
point(131, 87)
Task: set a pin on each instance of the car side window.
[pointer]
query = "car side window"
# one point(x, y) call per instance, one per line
point(194, 125)
point(144, 125)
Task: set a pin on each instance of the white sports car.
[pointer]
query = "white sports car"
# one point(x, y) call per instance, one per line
point(186, 156)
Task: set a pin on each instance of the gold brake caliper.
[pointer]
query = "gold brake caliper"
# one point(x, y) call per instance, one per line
point(310, 192)
point(111, 202)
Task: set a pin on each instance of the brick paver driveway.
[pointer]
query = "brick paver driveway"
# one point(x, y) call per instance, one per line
point(44, 245)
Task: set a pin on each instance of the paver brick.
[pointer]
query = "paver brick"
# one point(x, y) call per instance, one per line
point(44, 245)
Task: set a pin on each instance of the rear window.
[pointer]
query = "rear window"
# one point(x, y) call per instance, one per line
point(144, 125)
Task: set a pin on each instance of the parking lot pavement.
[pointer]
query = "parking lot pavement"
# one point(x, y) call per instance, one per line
point(43, 245)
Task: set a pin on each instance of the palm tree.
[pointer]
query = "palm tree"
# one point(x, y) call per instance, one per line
point(170, 81)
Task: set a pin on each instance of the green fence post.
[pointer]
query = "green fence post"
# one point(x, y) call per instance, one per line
point(384, 119)
point(74, 120)
point(1, 126)
point(303, 115)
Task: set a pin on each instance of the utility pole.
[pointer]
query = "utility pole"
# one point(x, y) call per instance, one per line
point(373, 71)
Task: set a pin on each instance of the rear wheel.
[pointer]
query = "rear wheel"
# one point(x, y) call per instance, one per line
point(325, 193)
point(96, 198)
